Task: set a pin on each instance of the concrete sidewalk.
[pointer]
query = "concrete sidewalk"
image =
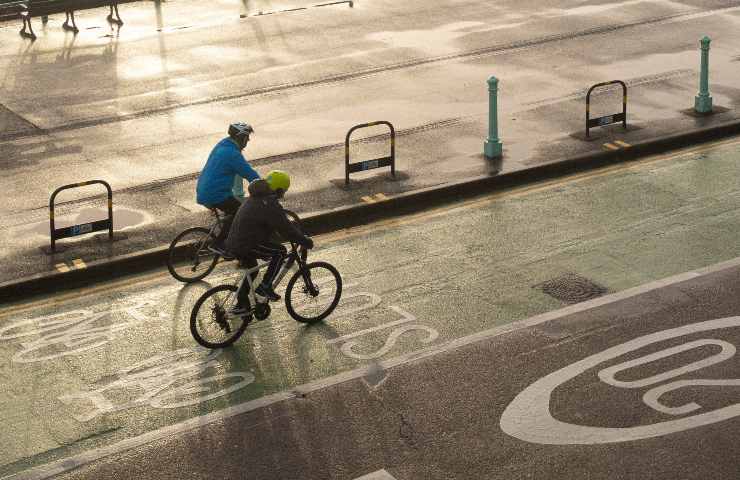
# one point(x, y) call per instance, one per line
point(439, 157)
point(428, 173)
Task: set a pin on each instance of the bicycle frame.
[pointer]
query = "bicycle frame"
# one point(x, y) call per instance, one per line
point(295, 256)
point(217, 224)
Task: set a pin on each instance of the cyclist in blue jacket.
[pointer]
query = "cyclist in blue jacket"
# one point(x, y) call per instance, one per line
point(216, 181)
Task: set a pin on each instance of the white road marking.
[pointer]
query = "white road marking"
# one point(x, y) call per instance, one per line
point(349, 344)
point(379, 475)
point(63, 465)
point(348, 347)
point(528, 416)
point(71, 333)
point(161, 383)
point(407, 317)
point(607, 375)
point(652, 397)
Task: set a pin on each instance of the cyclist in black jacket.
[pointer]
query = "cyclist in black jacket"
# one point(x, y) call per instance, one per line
point(252, 233)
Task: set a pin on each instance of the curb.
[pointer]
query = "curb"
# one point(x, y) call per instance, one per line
point(353, 215)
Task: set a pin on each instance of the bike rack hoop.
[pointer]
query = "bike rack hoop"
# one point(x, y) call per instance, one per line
point(389, 161)
point(75, 230)
point(606, 119)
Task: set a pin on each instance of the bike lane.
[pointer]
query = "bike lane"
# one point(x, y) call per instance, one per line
point(110, 365)
point(91, 372)
point(639, 384)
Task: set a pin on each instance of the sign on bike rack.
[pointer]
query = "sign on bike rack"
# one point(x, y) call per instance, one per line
point(606, 119)
point(75, 230)
point(389, 161)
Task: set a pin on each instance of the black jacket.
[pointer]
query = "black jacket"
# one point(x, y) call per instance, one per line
point(257, 220)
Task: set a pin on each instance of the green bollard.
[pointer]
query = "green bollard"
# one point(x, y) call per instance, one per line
point(703, 101)
point(492, 147)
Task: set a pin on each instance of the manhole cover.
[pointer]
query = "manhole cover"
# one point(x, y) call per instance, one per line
point(572, 288)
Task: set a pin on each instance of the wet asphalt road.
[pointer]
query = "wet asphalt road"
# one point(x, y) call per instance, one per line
point(481, 410)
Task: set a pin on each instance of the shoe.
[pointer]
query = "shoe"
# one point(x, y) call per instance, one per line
point(220, 249)
point(238, 311)
point(268, 292)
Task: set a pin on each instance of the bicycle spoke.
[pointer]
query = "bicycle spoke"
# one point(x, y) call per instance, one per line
point(314, 293)
point(308, 305)
point(213, 322)
point(189, 258)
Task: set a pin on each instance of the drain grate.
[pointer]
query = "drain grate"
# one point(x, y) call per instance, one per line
point(572, 288)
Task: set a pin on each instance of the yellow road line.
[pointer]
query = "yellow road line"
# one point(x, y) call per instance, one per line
point(622, 144)
point(367, 199)
point(78, 263)
point(62, 267)
point(611, 146)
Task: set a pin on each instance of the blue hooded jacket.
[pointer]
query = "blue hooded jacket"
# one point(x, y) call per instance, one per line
point(217, 178)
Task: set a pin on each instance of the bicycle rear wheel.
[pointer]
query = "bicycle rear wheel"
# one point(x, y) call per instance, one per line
point(211, 324)
point(313, 292)
point(189, 258)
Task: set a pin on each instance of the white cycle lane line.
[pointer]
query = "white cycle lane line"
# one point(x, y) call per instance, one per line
point(528, 416)
point(379, 475)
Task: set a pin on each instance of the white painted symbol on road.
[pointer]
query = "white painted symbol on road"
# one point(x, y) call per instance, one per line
point(348, 345)
point(379, 475)
point(75, 331)
point(163, 381)
point(67, 333)
point(528, 416)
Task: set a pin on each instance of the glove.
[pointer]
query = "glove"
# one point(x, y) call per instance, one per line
point(308, 243)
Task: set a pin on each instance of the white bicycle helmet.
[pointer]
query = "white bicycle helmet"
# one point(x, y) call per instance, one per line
point(240, 132)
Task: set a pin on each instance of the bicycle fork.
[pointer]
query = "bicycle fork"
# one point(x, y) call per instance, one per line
point(283, 271)
point(310, 287)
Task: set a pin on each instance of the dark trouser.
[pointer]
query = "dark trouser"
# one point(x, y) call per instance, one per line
point(229, 207)
point(275, 253)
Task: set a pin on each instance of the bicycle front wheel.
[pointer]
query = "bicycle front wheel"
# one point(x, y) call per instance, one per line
point(313, 292)
point(211, 323)
point(189, 258)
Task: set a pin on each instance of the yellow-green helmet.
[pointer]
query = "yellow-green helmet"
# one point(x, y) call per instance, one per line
point(277, 179)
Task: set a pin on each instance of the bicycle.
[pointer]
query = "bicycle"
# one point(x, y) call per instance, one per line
point(215, 318)
point(189, 257)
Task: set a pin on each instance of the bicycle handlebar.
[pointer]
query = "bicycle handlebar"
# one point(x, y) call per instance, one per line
point(303, 252)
